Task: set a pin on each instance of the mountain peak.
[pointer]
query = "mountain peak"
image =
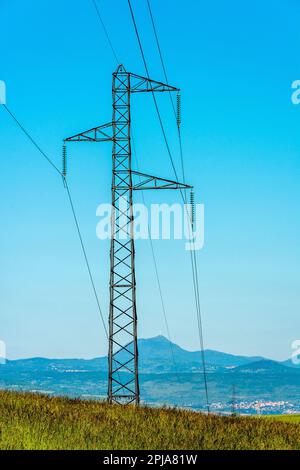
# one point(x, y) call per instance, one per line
point(156, 339)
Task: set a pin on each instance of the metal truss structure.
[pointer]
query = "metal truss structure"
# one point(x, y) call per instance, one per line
point(123, 380)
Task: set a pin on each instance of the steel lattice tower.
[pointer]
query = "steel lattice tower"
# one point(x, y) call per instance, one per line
point(123, 383)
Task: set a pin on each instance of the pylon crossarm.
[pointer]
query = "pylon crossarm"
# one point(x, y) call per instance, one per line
point(96, 134)
point(150, 182)
point(140, 84)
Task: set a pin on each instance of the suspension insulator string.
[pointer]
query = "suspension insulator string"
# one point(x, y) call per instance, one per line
point(64, 164)
point(64, 161)
point(178, 114)
point(192, 205)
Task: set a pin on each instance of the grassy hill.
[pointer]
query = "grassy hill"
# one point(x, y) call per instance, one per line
point(31, 421)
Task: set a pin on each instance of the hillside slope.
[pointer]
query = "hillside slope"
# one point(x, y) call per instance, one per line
point(30, 421)
point(265, 365)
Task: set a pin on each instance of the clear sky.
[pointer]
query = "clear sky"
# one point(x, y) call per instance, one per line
point(235, 62)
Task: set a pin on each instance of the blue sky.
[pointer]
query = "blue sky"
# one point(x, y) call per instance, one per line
point(235, 62)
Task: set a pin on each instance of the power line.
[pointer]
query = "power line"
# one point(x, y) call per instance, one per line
point(193, 252)
point(193, 255)
point(28, 135)
point(105, 30)
point(32, 140)
point(85, 256)
point(160, 54)
point(153, 94)
point(167, 82)
point(158, 280)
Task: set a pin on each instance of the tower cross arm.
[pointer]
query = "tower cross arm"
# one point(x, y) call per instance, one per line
point(140, 84)
point(96, 134)
point(145, 181)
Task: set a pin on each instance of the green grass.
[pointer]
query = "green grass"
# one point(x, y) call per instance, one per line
point(31, 421)
point(285, 418)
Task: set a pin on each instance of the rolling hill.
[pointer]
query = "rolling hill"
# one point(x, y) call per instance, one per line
point(261, 366)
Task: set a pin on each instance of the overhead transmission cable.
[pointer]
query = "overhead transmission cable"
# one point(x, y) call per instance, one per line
point(105, 30)
point(193, 255)
point(170, 94)
point(153, 94)
point(158, 279)
point(86, 259)
point(193, 252)
point(33, 141)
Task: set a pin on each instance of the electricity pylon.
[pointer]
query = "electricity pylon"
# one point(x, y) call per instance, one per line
point(123, 380)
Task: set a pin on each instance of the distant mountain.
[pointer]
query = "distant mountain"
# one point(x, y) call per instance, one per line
point(159, 355)
point(156, 355)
